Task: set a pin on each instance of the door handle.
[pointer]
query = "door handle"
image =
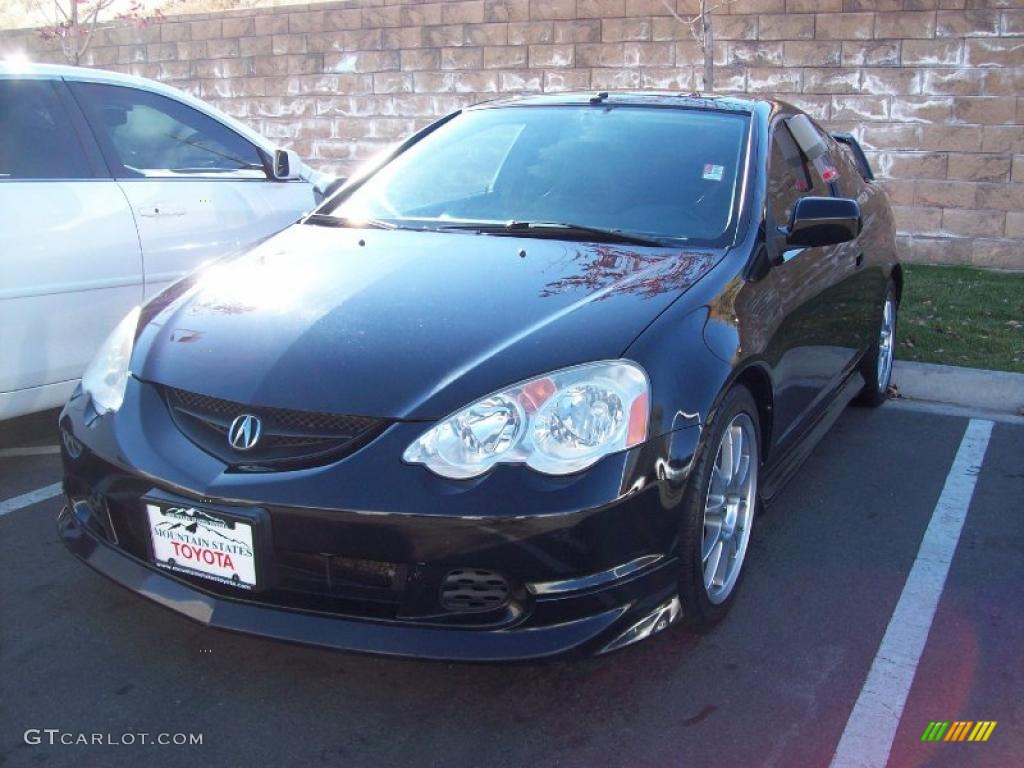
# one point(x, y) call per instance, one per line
point(160, 209)
point(860, 259)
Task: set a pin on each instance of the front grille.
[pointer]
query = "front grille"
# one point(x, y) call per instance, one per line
point(302, 582)
point(473, 589)
point(369, 587)
point(333, 573)
point(289, 438)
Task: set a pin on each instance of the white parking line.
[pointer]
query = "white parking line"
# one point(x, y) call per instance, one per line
point(30, 498)
point(867, 739)
point(35, 450)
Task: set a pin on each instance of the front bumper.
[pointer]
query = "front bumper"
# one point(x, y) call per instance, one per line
point(584, 635)
point(587, 570)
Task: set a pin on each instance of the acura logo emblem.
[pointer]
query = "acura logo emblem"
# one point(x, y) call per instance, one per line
point(244, 432)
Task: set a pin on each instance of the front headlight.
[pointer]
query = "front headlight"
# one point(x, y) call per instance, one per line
point(107, 375)
point(557, 424)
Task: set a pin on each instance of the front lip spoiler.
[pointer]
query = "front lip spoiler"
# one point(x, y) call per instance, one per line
point(337, 633)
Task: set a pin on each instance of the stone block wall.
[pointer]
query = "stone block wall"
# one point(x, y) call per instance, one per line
point(934, 89)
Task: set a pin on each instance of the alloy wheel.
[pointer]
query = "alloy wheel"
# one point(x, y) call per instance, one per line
point(886, 343)
point(729, 508)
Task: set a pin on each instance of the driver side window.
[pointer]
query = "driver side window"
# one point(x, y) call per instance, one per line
point(149, 135)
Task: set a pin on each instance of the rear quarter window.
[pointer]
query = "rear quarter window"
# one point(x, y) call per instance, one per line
point(849, 172)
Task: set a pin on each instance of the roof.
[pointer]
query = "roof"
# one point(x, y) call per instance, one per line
point(632, 98)
point(15, 68)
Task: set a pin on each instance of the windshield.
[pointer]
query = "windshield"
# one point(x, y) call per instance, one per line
point(660, 172)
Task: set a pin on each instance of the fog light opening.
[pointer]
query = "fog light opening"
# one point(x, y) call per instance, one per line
point(468, 590)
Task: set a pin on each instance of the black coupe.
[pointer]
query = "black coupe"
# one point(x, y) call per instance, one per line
point(516, 390)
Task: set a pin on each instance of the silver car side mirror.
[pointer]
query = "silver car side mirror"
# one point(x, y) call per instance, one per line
point(286, 164)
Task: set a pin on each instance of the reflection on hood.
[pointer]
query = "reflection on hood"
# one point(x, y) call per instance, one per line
point(600, 267)
point(400, 323)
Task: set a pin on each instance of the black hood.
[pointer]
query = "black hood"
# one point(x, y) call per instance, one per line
point(402, 324)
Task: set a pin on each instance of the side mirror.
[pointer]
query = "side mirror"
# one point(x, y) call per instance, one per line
point(286, 164)
point(818, 221)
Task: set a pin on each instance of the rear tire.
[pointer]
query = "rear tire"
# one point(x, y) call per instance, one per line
point(876, 367)
point(719, 507)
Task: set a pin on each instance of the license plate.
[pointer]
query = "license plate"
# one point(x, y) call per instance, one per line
point(203, 543)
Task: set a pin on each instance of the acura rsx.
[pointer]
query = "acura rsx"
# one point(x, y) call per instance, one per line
point(516, 390)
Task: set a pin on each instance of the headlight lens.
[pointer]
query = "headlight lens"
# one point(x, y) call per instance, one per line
point(107, 375)
point(557, 424)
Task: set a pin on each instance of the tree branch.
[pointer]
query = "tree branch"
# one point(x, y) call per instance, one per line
point(688, 22)
point(705, 37)
point(694, 19)
point(91, 21)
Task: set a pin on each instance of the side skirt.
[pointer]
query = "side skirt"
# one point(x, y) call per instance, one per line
point(785, 466)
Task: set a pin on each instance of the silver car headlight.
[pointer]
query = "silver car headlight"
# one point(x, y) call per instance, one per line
point(107, 375)
point(556, 424)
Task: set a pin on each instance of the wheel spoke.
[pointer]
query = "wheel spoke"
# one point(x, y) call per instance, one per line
point(719, 484)
point(737, 453)
point(742, 515)
point(725, 561)
point(712, 536)
point(742, 472)
point(714, 507)
point(713, 563)
point(725, 458)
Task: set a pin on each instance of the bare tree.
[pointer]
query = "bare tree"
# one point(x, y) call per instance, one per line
point(74, 22)
point(701, 27)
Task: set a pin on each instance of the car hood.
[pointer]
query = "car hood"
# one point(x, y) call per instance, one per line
point(398, 323)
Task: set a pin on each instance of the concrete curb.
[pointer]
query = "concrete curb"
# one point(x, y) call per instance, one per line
point(969, 387)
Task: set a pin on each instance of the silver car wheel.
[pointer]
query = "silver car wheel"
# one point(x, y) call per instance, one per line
point(729, 508)
point(886, 343)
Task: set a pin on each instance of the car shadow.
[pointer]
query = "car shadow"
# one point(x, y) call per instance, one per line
point(31, 430)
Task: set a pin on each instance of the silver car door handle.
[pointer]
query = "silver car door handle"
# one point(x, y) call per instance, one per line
point(161, 210)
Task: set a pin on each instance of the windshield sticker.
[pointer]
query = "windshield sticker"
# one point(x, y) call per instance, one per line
point(713, 172)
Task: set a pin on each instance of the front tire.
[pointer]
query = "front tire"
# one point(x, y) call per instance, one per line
point(719, 508)
point(876, 367)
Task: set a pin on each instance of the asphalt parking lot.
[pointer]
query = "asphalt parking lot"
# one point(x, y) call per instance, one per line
point(774, 685)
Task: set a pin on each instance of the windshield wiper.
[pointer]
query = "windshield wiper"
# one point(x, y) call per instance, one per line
point(326, 220)
point(553, 229)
